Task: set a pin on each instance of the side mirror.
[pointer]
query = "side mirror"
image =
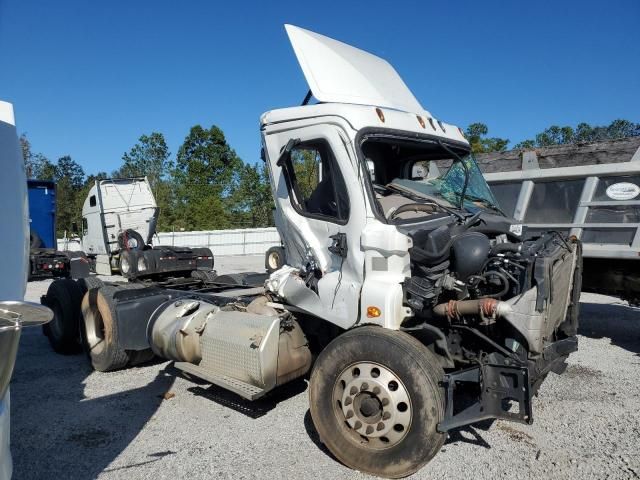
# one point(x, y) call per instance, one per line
point(286, 151)
point(74, 227)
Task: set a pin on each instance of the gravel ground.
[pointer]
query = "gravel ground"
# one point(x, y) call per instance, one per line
point(150, 422)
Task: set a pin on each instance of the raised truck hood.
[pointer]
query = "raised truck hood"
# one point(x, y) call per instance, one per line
point(339, 73)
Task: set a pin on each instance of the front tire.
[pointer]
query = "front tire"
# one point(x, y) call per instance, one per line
point(376, 399)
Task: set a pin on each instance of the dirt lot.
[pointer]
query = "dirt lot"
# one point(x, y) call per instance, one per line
point(149, 422)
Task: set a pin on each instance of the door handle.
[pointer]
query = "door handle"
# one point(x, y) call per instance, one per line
point(339, 246)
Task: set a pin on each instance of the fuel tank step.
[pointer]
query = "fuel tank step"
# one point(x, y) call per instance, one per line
point(245, 390)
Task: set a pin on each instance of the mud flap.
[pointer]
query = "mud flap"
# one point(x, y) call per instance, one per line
point(79, 267)
point(505, 393)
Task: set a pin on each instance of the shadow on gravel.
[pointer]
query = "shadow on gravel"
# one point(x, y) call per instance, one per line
point(469, 434)
point(315, 438)
point(57, 432)
point(252, 409)
point(619, 323)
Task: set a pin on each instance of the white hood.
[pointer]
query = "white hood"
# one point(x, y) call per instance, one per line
point(339, 73)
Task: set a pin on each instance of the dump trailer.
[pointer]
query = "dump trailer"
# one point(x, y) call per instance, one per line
point(44, 258)
point(119, 218)
point(590, 191)
point(414, 305)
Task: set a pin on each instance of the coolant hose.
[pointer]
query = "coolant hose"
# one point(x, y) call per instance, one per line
point(506, 247)
point(486, 307)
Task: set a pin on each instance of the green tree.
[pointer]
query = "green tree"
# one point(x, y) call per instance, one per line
point(150, 157)
point(480, 143)
point(206, 175)
point(583, 133)
point(253, 202)
point(37, 166)
point(70, 182)
point(305, 166)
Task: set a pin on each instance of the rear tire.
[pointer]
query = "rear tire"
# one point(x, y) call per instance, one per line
point(130, 240)
point(145, 263)
point(64, 297)
point(204, 276)
point(87, 283)
point(128, 263)
point(231, 279)
point(376, 400)
point(274, 259)
point(101, 330)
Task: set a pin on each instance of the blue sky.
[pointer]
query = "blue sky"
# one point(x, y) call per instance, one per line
point(88, 78)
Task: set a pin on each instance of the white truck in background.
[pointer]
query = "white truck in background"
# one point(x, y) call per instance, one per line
point(119, 219)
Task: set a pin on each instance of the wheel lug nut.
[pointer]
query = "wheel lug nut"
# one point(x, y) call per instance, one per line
point(369, 430)
point(347, 401)
point(353, 390)
point(376, 390)
point(386, 416)
point(357, 425)
point(385, 402)
point(349, 414)
point(364, 386)
point(380, 426)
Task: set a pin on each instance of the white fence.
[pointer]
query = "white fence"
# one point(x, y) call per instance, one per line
point(247, 241)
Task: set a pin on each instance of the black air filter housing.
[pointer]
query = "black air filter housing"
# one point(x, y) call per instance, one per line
point(469, 251)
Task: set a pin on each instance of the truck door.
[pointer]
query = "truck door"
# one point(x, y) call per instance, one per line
point(321, 212)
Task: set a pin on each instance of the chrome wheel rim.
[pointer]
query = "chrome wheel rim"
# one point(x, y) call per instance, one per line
point(374, 404)
point(274, 259)
point(142, 264)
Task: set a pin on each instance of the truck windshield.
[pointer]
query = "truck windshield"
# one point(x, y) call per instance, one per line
point(450, 186)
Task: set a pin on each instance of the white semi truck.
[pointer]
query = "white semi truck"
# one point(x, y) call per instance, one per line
point(119, 219)
point(414, 304)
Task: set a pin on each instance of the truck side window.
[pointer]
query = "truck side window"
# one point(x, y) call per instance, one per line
point(92, 201)
point(315, 183)
point(85, 226)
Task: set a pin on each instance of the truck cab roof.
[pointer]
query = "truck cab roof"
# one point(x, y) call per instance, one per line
point(360, 117)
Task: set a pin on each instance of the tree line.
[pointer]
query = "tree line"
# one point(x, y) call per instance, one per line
point(205, 187)
point(208, 187)
point(477, 133)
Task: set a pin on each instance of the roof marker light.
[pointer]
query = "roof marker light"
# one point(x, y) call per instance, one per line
point(432, 124)
point(420, 121)
point(380, 114)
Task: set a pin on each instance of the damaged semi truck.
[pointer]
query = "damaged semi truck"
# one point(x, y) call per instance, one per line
point(414, 303)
